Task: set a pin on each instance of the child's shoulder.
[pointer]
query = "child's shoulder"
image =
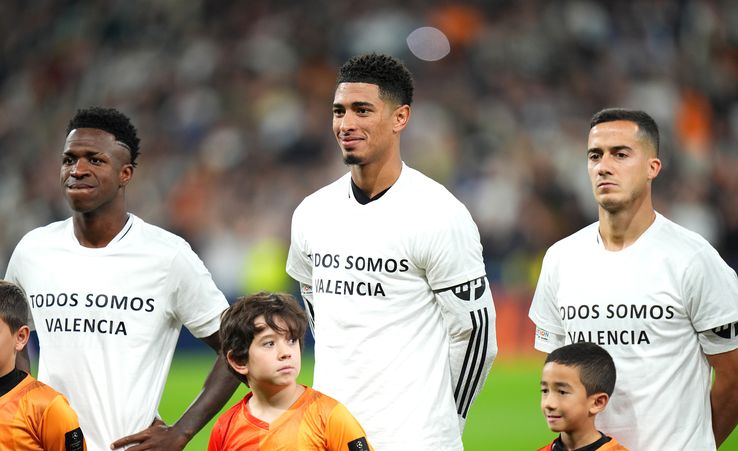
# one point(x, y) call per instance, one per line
point(612, 445)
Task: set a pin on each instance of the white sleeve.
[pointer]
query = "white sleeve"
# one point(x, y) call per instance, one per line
point(710, 291)
point(197, 303)
point(469, 316)
point(452, 259)
point(12, 274)
point(550, 331)
point(299, 264)
point(306, 291)
point(720, 339)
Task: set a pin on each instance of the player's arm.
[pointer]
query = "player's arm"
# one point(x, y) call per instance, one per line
point(59, 430)
point(724, 394)
point(217, 390)
point(550, 331)
point(469, 316)
point(343, 432)
point(306, 291)
point(721, 349)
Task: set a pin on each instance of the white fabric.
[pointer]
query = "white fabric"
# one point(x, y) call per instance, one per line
point(108, 319)
point(383, 350)
point(647, 305)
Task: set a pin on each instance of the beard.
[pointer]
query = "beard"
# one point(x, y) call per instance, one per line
point(351, 160)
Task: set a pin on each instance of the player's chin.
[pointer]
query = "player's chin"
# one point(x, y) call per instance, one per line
point(350, 159)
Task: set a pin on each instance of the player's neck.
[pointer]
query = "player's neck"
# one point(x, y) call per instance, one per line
point(578, 439)
point(373, 178)
point(97, 230)
point(620, 229)
point(269, 403)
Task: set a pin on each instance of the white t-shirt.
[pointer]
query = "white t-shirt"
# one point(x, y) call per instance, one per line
point(381, 347)
point(652, 305)
point(108, 319)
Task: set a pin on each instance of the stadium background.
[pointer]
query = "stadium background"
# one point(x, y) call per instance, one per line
point(232, 101)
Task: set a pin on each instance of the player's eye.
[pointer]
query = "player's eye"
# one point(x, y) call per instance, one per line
point(67, 160)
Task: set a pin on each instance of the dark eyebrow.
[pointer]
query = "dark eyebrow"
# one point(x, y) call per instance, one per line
point(85, 153)
point(355, 105)
point(610, 149)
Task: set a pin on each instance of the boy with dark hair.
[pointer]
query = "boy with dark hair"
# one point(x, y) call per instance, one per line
point(33, 416)
point(576, 385)
point(262, 338)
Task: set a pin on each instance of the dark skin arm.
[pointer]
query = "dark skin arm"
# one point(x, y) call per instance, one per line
point(724, 394)
point(217, 390)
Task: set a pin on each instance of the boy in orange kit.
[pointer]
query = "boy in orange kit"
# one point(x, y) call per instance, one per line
point(577, 382)
point(33, 416)
point(261, 337)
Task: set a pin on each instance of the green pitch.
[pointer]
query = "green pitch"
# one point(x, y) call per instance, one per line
point(506, 415)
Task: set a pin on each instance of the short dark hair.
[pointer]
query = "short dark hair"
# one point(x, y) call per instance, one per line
point(237, 328)
point(14, 309)
point(596, 367)
point(391, 76)
point(646, 125)
point(111, 121)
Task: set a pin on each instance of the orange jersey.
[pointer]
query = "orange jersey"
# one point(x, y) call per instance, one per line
point(314, 422)
point(34, 416)
point(612, 445)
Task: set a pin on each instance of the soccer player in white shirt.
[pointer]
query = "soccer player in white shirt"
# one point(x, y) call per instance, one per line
point(658, 297)
point(109, 294)
point(391, 271)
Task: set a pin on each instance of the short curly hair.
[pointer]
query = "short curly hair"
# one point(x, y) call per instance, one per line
point(111, 121)
point(389, 73)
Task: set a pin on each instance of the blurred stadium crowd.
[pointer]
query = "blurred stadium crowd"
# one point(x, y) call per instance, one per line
point(233, 103)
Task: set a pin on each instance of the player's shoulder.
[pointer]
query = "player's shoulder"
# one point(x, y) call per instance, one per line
point(42, 235)
point(678, 239)
point(156, 238)
point(38, 394)
point(227, 417)
point(326, 196)
point(425, 196)
point(584, 237)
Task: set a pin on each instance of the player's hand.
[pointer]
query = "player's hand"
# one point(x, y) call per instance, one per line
point(158, 436)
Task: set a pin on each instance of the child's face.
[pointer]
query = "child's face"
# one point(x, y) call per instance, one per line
point(274, 358)
point(10, 344)
point(564, 399)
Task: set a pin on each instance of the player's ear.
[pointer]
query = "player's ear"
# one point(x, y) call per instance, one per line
point(126, 173)
point(240, 368)
point(400, 118)
point(598, 402)
point(21, 337)
point(654, 167)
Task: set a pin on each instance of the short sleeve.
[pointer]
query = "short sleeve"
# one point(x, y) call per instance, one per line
point(710, 291)
point(299, 266)
point(451, 251)
point(343, 431)
point(543, 312)
point(197, 302)
point(12, 274)
point(216, 437)
point(60, 429)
